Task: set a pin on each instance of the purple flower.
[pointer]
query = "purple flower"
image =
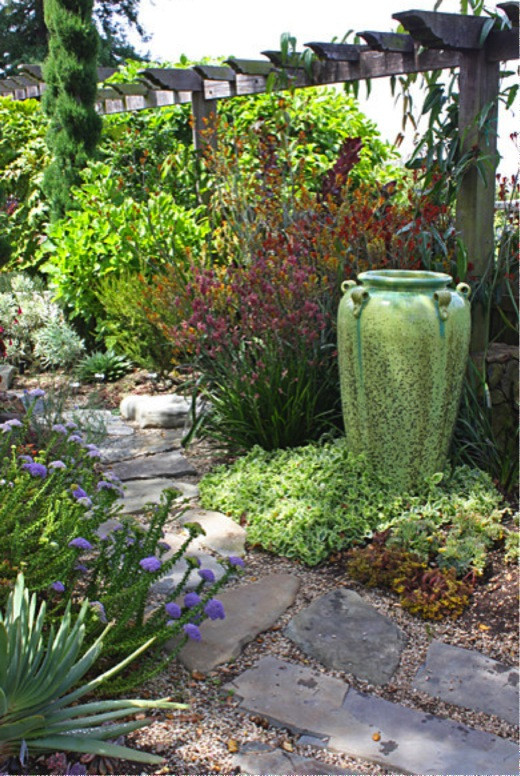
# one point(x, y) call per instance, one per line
point(207, 575)
point(94, 454)
point(163, 546)
point(215, 609)
point(191, 599)
point(59, 587)
point(75, 438)
point(91, 447)
point(27, 458)
point(80, 543)
point(172, 610)
point(81, 568)
point(151, 563)
point(14, 422)
point(57, 465)
point(36, 469)
point(192, 632)
point(100, 610)
point(60, 428)
point(4, 428)
point(104, 485)
point(70, 425)
point(79, 493)
point(235, 561)
point(36, 393)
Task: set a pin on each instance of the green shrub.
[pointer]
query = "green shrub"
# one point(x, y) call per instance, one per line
point(109, 234)
point(34, 325)
point(309, 502)
point(107, 366)
point(39, 693)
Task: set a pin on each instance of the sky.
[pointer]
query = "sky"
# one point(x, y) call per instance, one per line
point(206, 28)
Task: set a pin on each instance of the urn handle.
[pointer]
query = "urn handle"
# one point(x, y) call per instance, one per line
point(347, 285)
point(359, 296)
point(464, 289)
point(443, 299)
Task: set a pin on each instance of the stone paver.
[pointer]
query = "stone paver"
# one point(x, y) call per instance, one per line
point(250, 609)
point(345, 633)
point(369, 727)
point(223, 535)
point(162, 411)
point(168, 584)
point(138, 493)
point(259, 759)
point(468, 678)
point(100, 419)
point(124, 448)
point(7, 373)
point(172, 464)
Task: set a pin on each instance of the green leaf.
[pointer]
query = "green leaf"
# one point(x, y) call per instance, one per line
point(66, 743)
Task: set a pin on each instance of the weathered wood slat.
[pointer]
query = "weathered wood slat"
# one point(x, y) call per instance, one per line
point(173, 78)
point(131, 89)
point(106, 93)
point(443, 30)
point(34, 70)
point(113, 106)
point(292, 60)
point(502, 45)
point(511, 10)
point(389, 41)
point(343, 52)
point(215, 73)
point(250, 84)
point(216, 90)
point(250, 66)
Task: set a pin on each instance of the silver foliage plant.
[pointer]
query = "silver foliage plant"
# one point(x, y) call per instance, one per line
point(40, 677)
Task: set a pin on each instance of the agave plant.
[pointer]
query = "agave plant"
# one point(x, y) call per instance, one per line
point(39, 677)
point(106, 367)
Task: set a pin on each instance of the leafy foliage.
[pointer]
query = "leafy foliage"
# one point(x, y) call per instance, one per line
point(39, 693)
point(309, 502)
point(102, 366)
point(57, 345)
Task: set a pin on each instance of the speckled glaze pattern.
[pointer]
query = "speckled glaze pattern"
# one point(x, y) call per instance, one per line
point(403, 341)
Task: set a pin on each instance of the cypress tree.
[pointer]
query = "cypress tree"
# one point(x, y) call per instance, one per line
point(70, 73)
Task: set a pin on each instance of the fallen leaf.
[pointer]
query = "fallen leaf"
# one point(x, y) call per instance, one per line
point(287, 746)
point(232, 745)
point(376, 736)
point(199, 732)
point(483, 627)
point(198, 676)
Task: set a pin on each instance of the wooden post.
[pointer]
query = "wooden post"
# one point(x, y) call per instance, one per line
point(204, 114)
point(478, 90)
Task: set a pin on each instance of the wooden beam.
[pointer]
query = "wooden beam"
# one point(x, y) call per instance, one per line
point(173, 78)
point(215, 73)
point(344, 52)
point(443, 30)
point(276, 57)
point(479, 83)
point(511, 10)
point(389, 41)
point(502, 45)
point(250, 66)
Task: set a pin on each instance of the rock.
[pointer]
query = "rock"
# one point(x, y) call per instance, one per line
point(138, 493)
point(101, 421)
point(172, 464)
point(309, 702)
point(168, 584)
point(282, 763)
point(163, 411)
point(122, 449)
point(468, 678)
point(345, 633)
point(223, 535)
point(250, 609)
point(6, 376)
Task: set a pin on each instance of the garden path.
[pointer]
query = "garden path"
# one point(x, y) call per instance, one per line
point(338, 629)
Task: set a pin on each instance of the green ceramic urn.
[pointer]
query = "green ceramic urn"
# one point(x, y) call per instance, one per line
point(403, 341)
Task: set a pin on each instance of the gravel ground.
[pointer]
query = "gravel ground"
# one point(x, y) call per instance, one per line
point(203, 739)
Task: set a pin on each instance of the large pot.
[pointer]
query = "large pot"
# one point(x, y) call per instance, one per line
point(403, 341)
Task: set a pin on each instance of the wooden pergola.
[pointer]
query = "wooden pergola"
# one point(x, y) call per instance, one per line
point(434, 41)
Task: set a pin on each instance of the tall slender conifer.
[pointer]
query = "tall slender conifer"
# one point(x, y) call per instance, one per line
point(69, 100)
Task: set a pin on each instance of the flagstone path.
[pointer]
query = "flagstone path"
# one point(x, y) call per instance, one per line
point(339, 629)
